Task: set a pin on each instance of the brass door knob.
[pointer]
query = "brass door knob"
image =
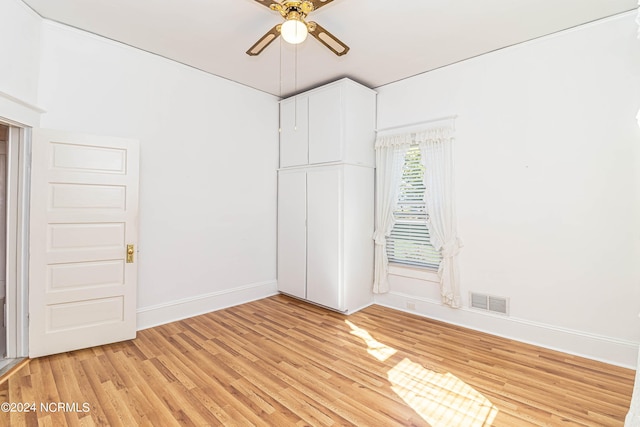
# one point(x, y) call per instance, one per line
point(130, 251)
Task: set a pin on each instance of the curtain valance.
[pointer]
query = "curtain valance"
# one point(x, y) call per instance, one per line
point(414, 137)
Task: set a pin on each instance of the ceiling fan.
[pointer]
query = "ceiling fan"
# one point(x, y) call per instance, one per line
point(294, 29)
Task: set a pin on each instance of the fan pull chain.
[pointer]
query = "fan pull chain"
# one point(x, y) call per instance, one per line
point(295, 89)
point(280, 83)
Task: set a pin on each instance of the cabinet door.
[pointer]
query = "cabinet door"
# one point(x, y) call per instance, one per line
point(294, 132)
point(323, 234)
point(292, 254)
point(325, 126)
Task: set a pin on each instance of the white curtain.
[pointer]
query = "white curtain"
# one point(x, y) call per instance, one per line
point(436, 149)
point(390, 152)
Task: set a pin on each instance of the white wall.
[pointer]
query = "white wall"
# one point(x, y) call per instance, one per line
point(547, 162)
point(547, 175)
point(20, 49)
point(208, 167)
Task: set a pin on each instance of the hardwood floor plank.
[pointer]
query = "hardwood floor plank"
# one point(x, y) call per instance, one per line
point(99, 398)
point(88, 390)
point(282, 362)
point(144, 401)
point(121, 408)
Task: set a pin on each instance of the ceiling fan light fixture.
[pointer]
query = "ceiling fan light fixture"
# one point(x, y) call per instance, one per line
point(294, 31)
point(295, 27)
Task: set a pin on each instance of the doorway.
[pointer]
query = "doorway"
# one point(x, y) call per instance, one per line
point(4, 136)
point(14, 208)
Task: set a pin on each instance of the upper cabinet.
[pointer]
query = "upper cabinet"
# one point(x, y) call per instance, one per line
point(333, 123)
point(294, 131)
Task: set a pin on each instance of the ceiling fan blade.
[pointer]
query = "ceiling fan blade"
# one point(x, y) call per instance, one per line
point(329, 40)
point(267, 3)
point(317, 4)
point(264, 41)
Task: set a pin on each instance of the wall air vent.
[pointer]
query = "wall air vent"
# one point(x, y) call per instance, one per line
point(479, 301)
point(499, 305)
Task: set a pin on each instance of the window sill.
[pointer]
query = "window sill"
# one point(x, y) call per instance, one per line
point(426, 274)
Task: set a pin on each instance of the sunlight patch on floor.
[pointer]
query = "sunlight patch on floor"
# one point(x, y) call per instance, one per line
point(440, 399)
point(376, 349)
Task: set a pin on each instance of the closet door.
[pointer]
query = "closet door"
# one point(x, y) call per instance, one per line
point(325, 126)
point(294, 134)
point(292, 242)
point(324, 195)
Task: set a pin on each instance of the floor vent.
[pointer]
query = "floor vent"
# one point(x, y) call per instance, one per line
point(490, 303)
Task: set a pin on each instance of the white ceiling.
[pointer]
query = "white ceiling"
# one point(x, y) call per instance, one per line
point(389, 39)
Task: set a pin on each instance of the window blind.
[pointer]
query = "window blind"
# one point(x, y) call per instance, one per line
point(409, 242)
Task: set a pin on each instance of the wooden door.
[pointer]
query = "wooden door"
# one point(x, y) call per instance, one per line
point(292, 233)
point(84, 212)
point(324, 249)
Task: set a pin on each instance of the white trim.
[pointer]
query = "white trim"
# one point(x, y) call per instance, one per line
point(18, 187)
point(22, 244)
point(614, 351)
point(21, 102)
point(313, 165)
point(193, 306)
point(418, 126)
point(14, 111)
point(426, 274)
point(362, 307)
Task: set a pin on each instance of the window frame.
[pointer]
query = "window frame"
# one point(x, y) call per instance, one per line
point(412, 206)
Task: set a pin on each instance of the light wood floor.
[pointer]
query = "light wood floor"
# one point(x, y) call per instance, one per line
point(280, 362)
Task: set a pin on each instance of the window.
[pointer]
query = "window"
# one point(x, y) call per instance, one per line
point(409, 242)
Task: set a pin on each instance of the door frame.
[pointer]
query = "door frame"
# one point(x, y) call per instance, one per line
point(18, 190)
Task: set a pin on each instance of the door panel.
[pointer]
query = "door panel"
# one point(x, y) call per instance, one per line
point(84, 212)
point(294, 142)
point(325, 126)
point(323, 249)
point(85, 274)
point(292, 253)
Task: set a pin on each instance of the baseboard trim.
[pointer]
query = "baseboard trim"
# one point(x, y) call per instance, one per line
point(148, 317)
point(362, 307)
point(592, 346)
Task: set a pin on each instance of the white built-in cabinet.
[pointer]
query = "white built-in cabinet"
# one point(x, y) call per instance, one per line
point(326, 196)
point(333, 123)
